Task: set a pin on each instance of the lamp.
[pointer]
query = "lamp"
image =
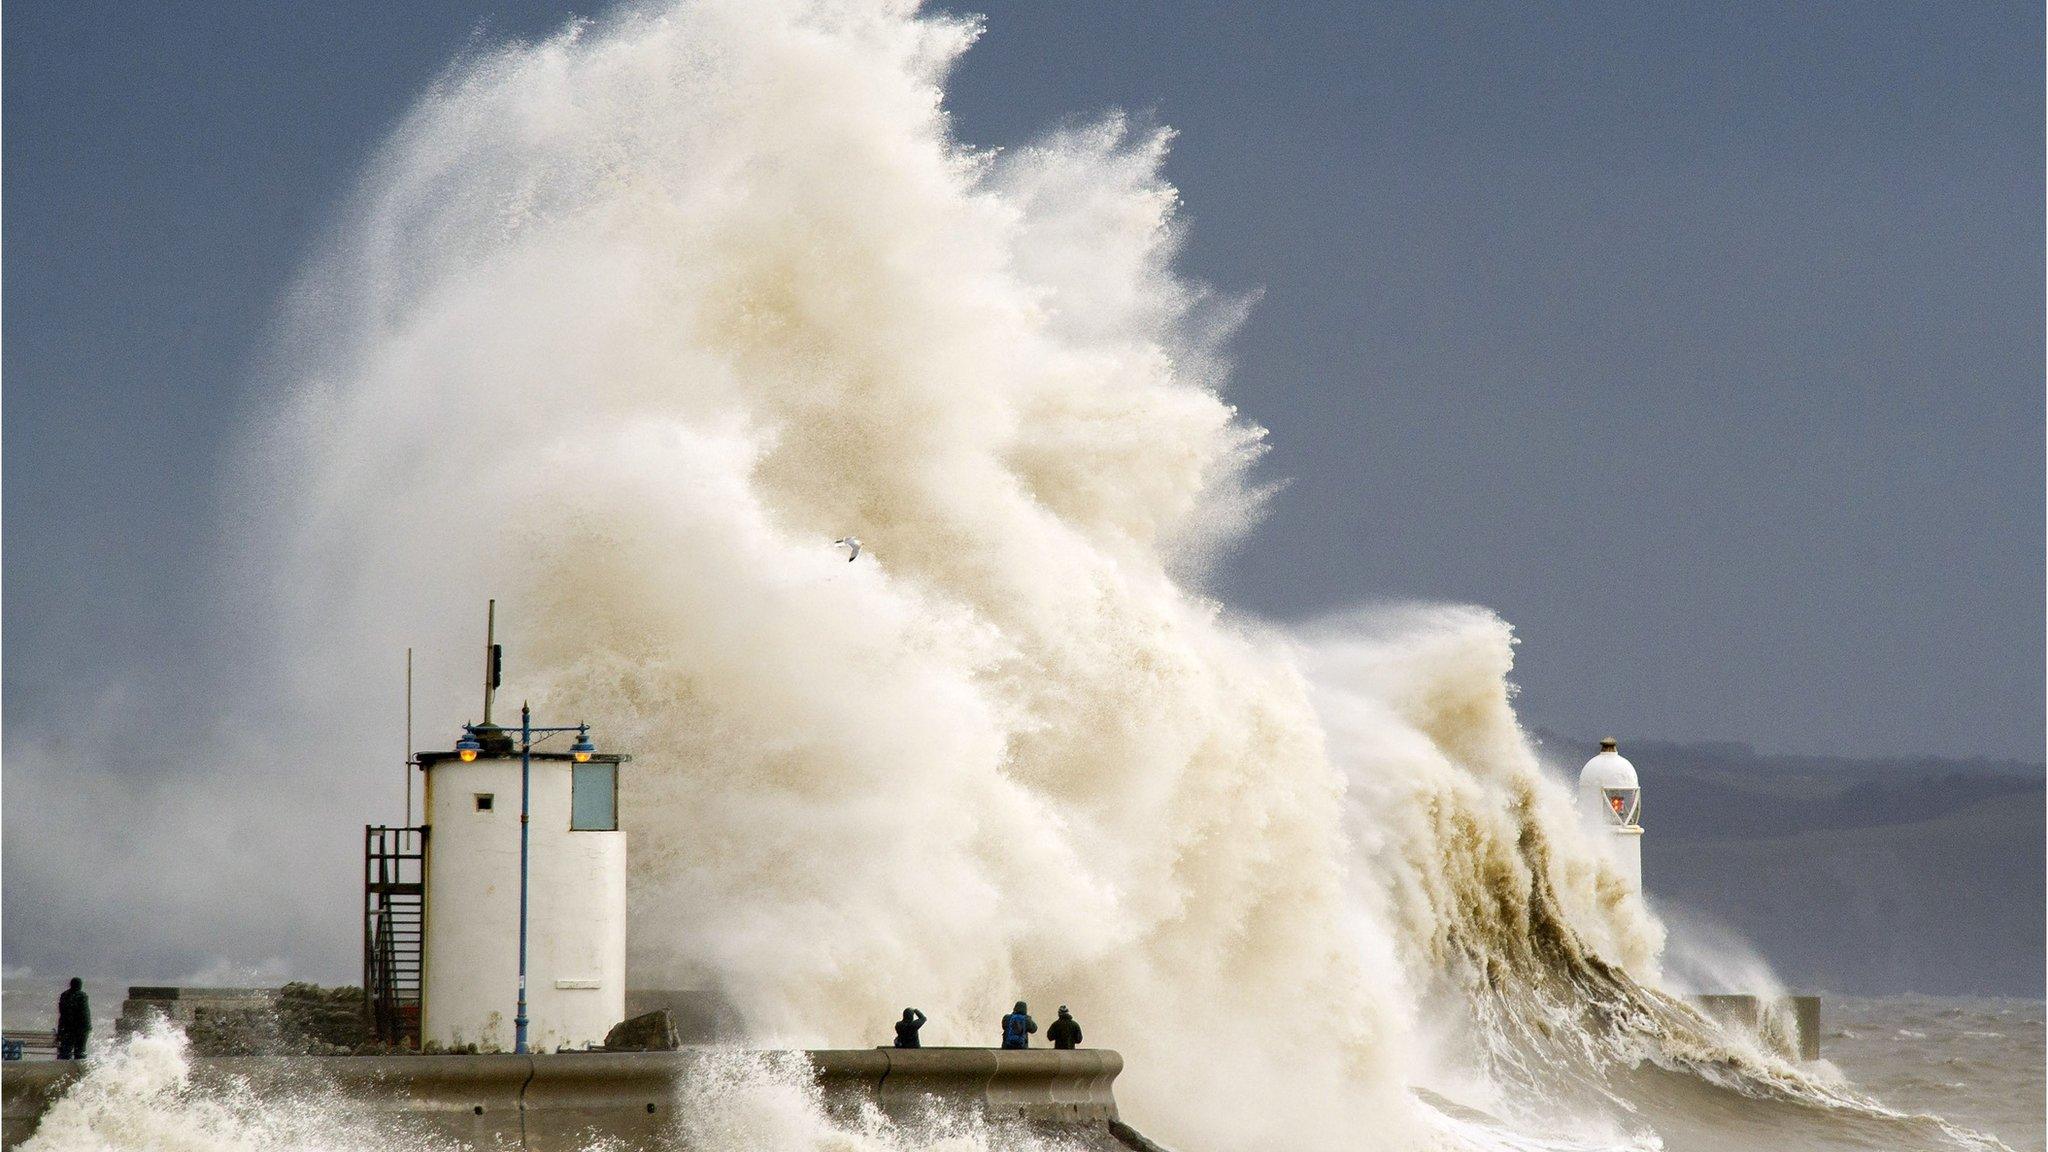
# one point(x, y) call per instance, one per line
point(582, 748)
point(468, 747)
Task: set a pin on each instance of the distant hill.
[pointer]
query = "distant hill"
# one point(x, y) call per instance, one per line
point(1868, 876)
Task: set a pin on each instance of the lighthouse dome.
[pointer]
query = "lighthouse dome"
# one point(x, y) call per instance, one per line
point(1608, 770)
point(1611, 802)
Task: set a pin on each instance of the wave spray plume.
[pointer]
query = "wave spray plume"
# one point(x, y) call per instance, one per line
point(627, 327)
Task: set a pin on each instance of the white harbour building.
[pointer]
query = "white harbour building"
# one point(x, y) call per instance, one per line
point(443, 936)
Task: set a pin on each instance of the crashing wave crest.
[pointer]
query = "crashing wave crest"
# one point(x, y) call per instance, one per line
point(626, 326)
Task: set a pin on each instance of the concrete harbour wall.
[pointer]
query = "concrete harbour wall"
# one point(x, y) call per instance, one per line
point(1789, 1024)
point(564, 1102)
point(187, 1006)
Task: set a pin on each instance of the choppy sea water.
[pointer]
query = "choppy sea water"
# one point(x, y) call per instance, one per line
point(1975, 1062)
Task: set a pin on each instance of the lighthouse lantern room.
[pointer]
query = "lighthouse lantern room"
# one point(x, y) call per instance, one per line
point(1611, 804)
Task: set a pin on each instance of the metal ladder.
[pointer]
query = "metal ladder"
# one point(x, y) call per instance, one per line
point(394, 930)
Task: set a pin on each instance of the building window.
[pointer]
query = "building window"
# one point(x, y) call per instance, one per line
point(483, 801)
point(594, 798)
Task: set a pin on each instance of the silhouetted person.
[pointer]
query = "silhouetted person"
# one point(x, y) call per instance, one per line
point(1064, 1032)
point(74, 1020)
point(1018, 1027)
point(906, 1028)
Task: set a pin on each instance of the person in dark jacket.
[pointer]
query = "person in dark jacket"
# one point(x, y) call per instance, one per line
point(1018, 1027)
point(1064, 1032)
point(74, 1020)
point(906, 1028)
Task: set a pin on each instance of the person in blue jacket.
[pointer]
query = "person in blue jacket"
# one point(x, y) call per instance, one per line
point(1018, 1027)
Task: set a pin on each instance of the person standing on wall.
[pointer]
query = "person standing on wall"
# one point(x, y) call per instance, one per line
point(74, 1020)
point(906, 1028)
point(1064, 1032)
point(1018, 1027)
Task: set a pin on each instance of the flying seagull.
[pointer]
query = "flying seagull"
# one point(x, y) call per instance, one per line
point(852, 546)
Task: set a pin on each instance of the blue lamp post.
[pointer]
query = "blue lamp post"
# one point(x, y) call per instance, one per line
point(580, 751)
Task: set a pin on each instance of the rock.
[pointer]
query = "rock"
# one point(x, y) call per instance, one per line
point(648, 1032)
point(702, 1016)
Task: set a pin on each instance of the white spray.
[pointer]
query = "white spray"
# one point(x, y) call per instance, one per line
point(141, 1094)
point(628, 327)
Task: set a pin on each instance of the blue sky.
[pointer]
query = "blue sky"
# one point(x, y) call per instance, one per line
point(1703, 342)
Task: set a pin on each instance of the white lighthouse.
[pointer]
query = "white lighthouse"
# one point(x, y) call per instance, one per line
point(1611, 805)
point(574, 935)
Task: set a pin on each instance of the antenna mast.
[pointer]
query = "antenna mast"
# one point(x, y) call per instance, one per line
point(408, 737)
point(494, 657)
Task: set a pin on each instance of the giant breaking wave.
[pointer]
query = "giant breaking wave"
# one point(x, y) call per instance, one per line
point(626, 327)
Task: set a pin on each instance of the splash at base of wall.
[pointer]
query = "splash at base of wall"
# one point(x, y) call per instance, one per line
point(565, 1102)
